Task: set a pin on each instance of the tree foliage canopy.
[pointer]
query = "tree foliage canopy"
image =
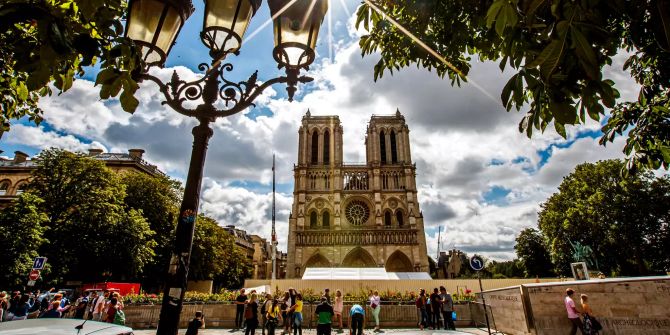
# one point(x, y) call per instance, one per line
point(53, 41)
point(533, 254)
point(557, 49)
point(624, 220)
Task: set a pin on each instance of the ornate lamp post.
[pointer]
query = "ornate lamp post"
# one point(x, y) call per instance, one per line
point(154, 26)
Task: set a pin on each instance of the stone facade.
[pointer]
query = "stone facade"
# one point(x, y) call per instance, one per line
point(355, 215)
point(15, 173)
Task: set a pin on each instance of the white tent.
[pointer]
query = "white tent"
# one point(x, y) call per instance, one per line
point(361, 273)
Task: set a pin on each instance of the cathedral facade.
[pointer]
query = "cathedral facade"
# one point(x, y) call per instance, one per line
point(355, 215)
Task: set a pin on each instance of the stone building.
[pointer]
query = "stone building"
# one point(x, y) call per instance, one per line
point(262, 260)
point(355, 215)
point(15, 173)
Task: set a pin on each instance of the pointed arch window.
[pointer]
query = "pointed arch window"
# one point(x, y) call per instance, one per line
point(312, 220)
point(315, 147)
point(382, 146)
point(399, 218)
point(325, 219)
point(326, 147)
point(387, 218)
point(394, 149)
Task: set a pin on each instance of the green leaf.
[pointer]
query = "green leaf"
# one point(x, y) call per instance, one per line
point(128, 102)
point(493, 12)
point(22, 91)
point(507, 91)
point(549, 58)
point(587, 56)
point(564, 112)
point(560, 129)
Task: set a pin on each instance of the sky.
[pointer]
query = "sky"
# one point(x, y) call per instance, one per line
point(479, 179)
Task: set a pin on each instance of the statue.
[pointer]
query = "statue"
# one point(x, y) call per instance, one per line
point(583, 253)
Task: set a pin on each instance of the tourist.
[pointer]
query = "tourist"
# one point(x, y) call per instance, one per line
point(357, 322)
point(573, 313)
point(447, 309)
point(100, 303)
point(292, 297)
point(264, 309)
point(296, 309)
point(240, 301)
point(273, 316)
point(325, 314)
point(286, 304)
point(20, 308)
point(251, 315)
point(53, 311)
point(591, 325)
point(93, 298)
point(338, 307)
point(111, 310)
point(80, 307)
point(326, 294)
point(436, 304)
point(421, 309)
point(197, 323)
point(375, 306)
point(4, 304)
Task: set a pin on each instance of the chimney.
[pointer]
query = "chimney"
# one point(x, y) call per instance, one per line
point(94, 152)
point(136, 153)
point(20, 157)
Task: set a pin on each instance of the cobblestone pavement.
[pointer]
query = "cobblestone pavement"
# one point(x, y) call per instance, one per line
point(461, 331)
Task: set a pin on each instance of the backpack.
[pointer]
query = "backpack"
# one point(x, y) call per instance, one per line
point(120, 318)
point(248, 313)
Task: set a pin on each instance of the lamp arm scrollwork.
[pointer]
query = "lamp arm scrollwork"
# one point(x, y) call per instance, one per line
point(238, 96)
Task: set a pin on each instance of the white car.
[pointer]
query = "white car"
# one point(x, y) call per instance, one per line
point(50, 326)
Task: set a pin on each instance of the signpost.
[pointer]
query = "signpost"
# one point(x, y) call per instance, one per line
point(477, 264)
point(39, 263)
point(34, 275)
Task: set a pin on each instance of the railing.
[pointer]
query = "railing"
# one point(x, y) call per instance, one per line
point(363, 237)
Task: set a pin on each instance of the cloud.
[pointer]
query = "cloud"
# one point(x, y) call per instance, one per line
point(38, 137)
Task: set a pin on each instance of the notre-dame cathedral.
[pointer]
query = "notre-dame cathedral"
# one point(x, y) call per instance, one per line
point(355, 215)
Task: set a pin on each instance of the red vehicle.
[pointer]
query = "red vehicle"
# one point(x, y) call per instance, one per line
point(122, 288)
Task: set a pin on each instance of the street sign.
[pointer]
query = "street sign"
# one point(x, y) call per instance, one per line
point(39, 263)
point(31, 283)
point(34, 275)
point(476, 263)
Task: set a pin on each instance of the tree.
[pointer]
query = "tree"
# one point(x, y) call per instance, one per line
point(533, 254)
point(557, 49)
point(21, 235)
point(157, 198)
point(623, 219)
point(89, 230)
point(506, 269)
point(214, 256)
point(53, 41)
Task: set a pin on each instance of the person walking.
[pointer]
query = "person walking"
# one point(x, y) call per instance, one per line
point(357, 322)
point(573, 313)
point(267, 304)
point(447, 309)
point(197, 323)
point(326, 294)
point(338, 307)
point(421, 308)
point(53, 312)
point(325, 314)
point(99, 307)
point(110, 313)
point(251, 315)
point(296, 309)
point(240, 301)
point(273, 316)
point(591, 324)
point(375, 306)
point(285, 305)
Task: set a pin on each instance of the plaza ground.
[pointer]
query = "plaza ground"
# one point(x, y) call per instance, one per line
point(405, 331)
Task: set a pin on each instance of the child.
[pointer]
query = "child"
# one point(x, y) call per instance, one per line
point(197, 323)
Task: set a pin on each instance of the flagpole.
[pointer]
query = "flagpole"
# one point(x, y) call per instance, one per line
point(274, 233)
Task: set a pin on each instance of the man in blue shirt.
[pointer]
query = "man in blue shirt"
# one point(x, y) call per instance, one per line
point(357, 314)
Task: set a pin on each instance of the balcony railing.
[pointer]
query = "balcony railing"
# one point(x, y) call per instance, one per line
point(362, 237)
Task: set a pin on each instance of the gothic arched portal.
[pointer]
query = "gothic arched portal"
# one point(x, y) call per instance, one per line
point(317, 261)
point(359, 258)
point(398, 262)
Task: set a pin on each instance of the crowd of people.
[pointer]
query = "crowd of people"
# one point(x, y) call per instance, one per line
point(94, 305)
point(286, 313)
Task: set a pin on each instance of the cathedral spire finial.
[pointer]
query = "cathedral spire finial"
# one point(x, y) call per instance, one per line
point(308, 114)
point(397, 111)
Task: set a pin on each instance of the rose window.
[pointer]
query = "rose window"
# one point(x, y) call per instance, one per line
point(357, 212)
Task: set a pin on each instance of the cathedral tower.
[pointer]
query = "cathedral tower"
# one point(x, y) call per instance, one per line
point(355, 215)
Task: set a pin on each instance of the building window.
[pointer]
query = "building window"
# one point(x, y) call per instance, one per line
point(312, 220)
point(315, 147)
point(326, 147)
point(21, 187)
point(387, 218)
point(4, 187)
point(325, 220)
point(399, 218)
point(394, 148)
point(382, 146)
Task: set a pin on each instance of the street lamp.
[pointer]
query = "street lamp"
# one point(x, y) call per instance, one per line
point(154, 26)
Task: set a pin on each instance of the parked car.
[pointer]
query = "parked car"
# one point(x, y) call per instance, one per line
point(62, 327)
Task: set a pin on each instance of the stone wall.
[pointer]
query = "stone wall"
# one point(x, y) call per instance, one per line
point(627, 306)
point(223, 316)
